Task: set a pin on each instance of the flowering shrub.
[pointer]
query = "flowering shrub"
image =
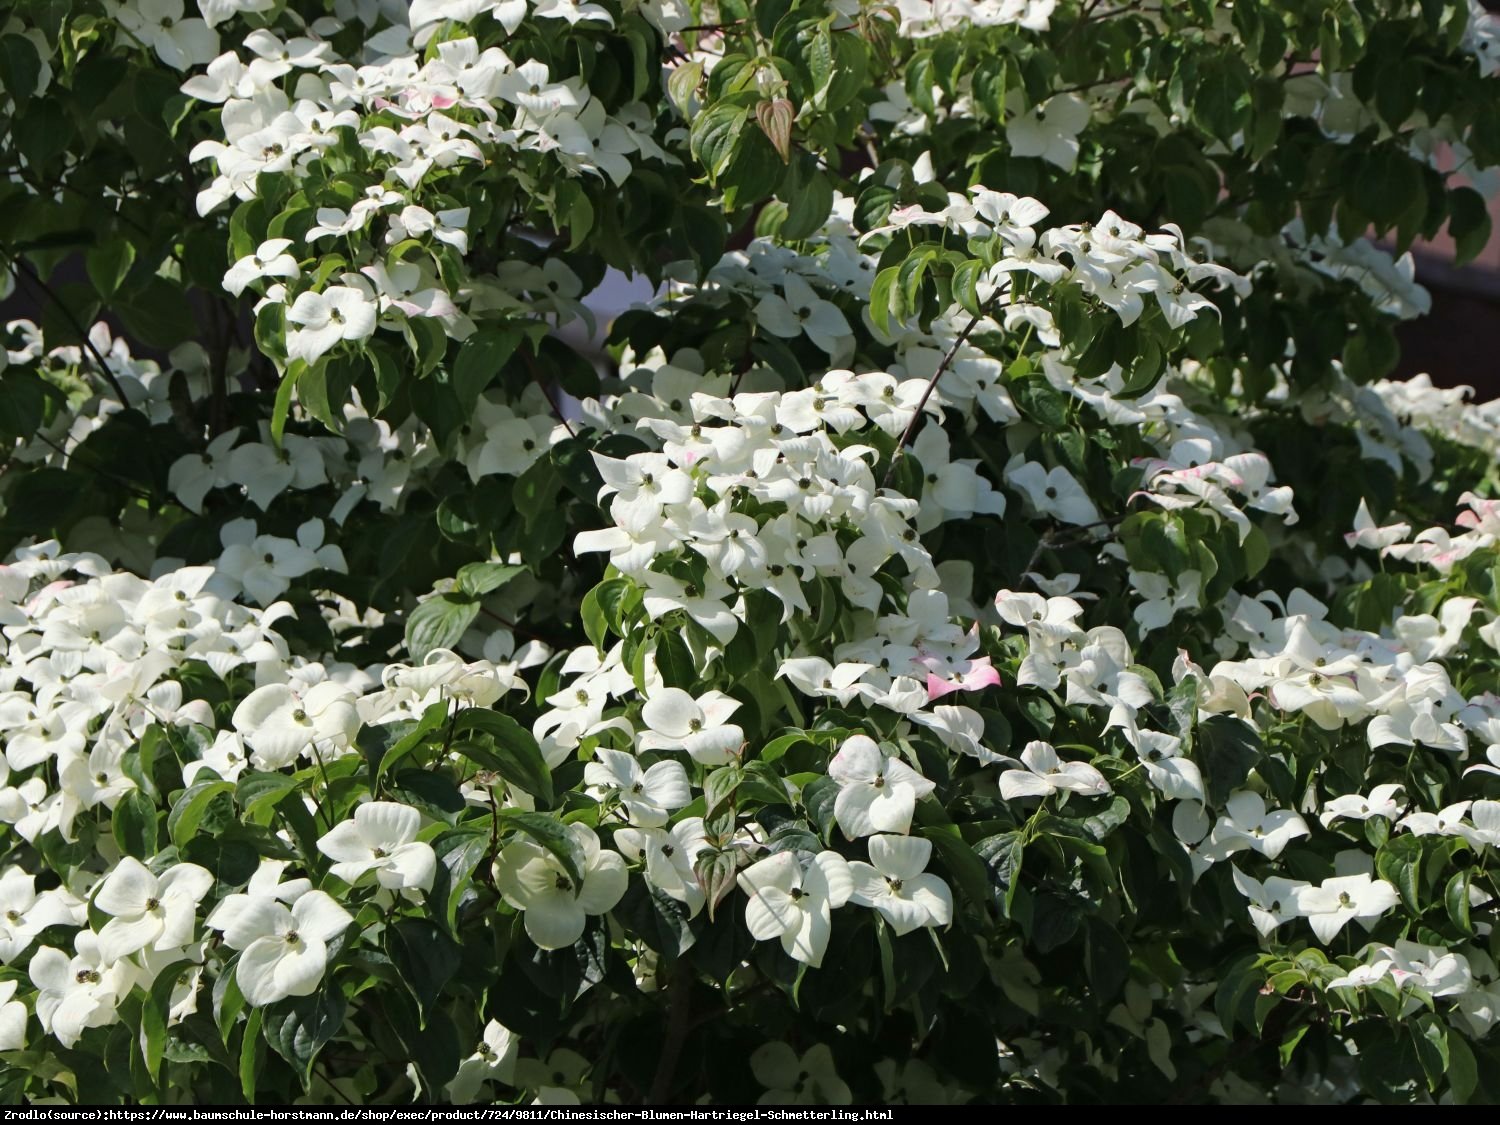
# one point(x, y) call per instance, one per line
point(987, 630)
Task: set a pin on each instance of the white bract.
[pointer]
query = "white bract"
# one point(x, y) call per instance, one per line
point(284, 950)
point(149, 911)
point(556, 902)
point(1334, 903)
point(793, 899)
point(382, 837)
point(1045, 773)
point(701, 726)
point(646, 796)
point(877, 791)
point(896, 884)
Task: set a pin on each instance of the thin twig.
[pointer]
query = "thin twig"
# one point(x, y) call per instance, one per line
point(513, 627)
point(23, 267)
point(536, 377)
point(129, 486)
point(916, 418)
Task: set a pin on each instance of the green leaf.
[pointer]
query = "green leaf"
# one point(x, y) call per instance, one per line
point(1431, 1040)
point(460, 852)
point(1227, 749)
point(1106, 959)
point(384, 759)
point(811, 201)
point(1463, 1070)
point(966, 868)
point(1456, 900)
point(259, 792)
point(921, 77)
point(250, 1051)
point(715, 872)
point(682, 87)
point(154, 1014)
point(133, 824)
point(483, 578)
point(550, 834)
point(428, 342)
point(591, 613)
point(885, 299)
point(817, 798)
point(517, 758)
point(1468, 224)
point(282, 408)
point(425, 958)
point(439, 622)
point(22, 66)
point(1388, 184)
point(966, 286)
point(714, 135)
point(1399, 862)
point(23, 403)
point(719, 786)
point(187, 812)
point(674, 661)
point(1003, 855)
point(108, 263)
point(481, 357)
point(299, 1029)
point(157, 314)
point(775, 119)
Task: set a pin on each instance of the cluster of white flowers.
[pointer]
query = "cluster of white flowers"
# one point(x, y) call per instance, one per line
point(412, 126)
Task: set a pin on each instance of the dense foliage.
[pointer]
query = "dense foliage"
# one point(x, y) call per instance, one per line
point(981, 628)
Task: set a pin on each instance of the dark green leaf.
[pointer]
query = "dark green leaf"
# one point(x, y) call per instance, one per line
point(425, 957)
point(439, 622)
point(516, 756)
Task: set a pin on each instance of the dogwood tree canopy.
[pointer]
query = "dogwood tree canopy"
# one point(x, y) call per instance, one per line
point(982, 626)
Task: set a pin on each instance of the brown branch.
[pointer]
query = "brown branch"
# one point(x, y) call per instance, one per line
point(947, 360)
point(679, 1020)
point(24, 269)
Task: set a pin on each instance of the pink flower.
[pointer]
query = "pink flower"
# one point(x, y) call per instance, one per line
point(979, 673)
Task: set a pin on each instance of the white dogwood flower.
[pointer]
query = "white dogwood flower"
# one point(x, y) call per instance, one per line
point(149, 911)
point(794, 900)
point(284, 950)
point(1045, 773)
point(322, 320)
point(878, 792)
point(556, 907)
point(493, 1060)
point(701, 726)
point(382, 837)
point(13, 1016)
point(269, 260)
point(648, 795)
point(1335, 902)
point(79, 992)
point(895, 883)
